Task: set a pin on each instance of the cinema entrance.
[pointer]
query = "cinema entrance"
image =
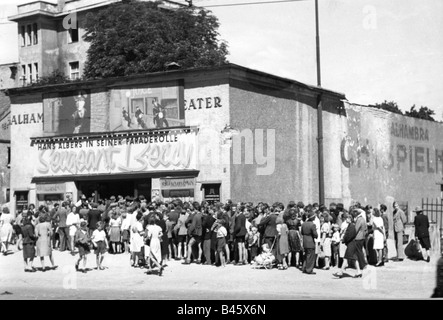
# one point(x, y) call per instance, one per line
point(104, 189)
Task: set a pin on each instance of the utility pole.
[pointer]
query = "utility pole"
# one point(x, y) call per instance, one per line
point(321, 178)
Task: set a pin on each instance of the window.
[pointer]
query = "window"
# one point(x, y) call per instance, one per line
point(74, 70)
point(24, 74)
point(29, 38)
point(35, 33)
point(73, 33)
point(36, 71)
point(30, 72)
point(23, 36)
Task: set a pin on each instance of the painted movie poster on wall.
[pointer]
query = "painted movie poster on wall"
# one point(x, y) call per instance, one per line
point(148, 107)
point(68, 113)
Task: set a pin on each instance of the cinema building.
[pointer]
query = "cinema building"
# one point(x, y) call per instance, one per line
point(215, 133)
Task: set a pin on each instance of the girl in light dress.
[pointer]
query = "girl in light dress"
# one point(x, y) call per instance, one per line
point(137, 242)
point(153, 252)
point(6, 229)
point(115, 232)
point(326, 240)
point(73, 222)
point(100, 244)
point(379, 236)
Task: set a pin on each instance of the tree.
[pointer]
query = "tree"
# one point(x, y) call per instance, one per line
point(423, 113)
point(138, 37)
point(389, 106)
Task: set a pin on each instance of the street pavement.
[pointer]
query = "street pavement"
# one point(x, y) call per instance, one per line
point(396, 280)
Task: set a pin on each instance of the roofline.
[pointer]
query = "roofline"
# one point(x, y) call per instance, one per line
point(177, 74)
point(60, 14)
point(10, 64)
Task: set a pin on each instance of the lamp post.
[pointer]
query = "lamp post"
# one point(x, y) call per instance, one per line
point(321, 179)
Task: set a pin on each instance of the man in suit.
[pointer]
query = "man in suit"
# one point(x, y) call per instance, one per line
point(309, 233)
point(63, 229)
point(383, 210)
point(195, 232)
point(399, 218)
point(207, 222)
point(269, 223)
point(94, 216)
point(421, 223)
point(239, 236)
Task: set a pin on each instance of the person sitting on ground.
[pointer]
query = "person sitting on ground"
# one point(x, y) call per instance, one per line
point(265, 257)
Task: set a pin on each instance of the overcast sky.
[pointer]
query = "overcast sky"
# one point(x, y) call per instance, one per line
point(371, 50)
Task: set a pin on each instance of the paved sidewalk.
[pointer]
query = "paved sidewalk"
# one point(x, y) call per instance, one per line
point(396, 280)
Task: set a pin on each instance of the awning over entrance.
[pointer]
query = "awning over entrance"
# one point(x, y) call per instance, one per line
point(117, 176)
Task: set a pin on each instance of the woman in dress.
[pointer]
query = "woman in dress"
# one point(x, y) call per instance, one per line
point(73, 223)
point(115, 232)
point(343, 227)
point(379, 236)
point(6, 229)
point(293, 221)
point(29, 239)
point(43, 231)
point(283, 246)
point(351, 247)
point(326, 240)
point(136, 242)
point(154, 234)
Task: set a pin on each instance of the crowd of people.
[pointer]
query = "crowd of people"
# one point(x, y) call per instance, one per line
point(264, 235)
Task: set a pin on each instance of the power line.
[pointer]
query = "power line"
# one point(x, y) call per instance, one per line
point(248, 3)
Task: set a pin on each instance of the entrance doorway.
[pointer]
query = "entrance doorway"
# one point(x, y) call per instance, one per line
point(104, 189)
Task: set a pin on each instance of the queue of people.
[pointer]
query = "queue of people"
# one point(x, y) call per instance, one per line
point(306, 237)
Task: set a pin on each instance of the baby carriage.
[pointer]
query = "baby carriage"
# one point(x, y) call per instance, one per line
point(265, 259)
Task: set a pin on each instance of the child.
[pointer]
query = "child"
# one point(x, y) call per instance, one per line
point(126, 225)
point(100, 243)
point(336, 244)
point(82, 241)
point(266, 257)
point(221, 231)
point(253, 240)
point(326, 240)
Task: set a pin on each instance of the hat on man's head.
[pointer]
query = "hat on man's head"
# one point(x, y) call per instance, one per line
point(418, 209)
point(112, 198)
point(300, 204)
point(94, 205)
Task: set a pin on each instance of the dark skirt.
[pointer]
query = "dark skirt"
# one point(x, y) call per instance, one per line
point(125, 235)
point(83, 249)
point(294, 241)
point(101, 247)
point(28, 251)
point(425, 243)
point(351, 251)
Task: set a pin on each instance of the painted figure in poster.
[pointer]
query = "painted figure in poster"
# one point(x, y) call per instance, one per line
point(127, 117)
point(159, 114)
point(139, 116)
point(81, 119)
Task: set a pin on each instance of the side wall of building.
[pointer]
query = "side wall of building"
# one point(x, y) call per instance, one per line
point(293, 119)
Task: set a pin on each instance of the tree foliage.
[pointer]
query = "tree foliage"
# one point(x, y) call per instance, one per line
point(138, 37)
point(389, 106)
point(422, 113)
